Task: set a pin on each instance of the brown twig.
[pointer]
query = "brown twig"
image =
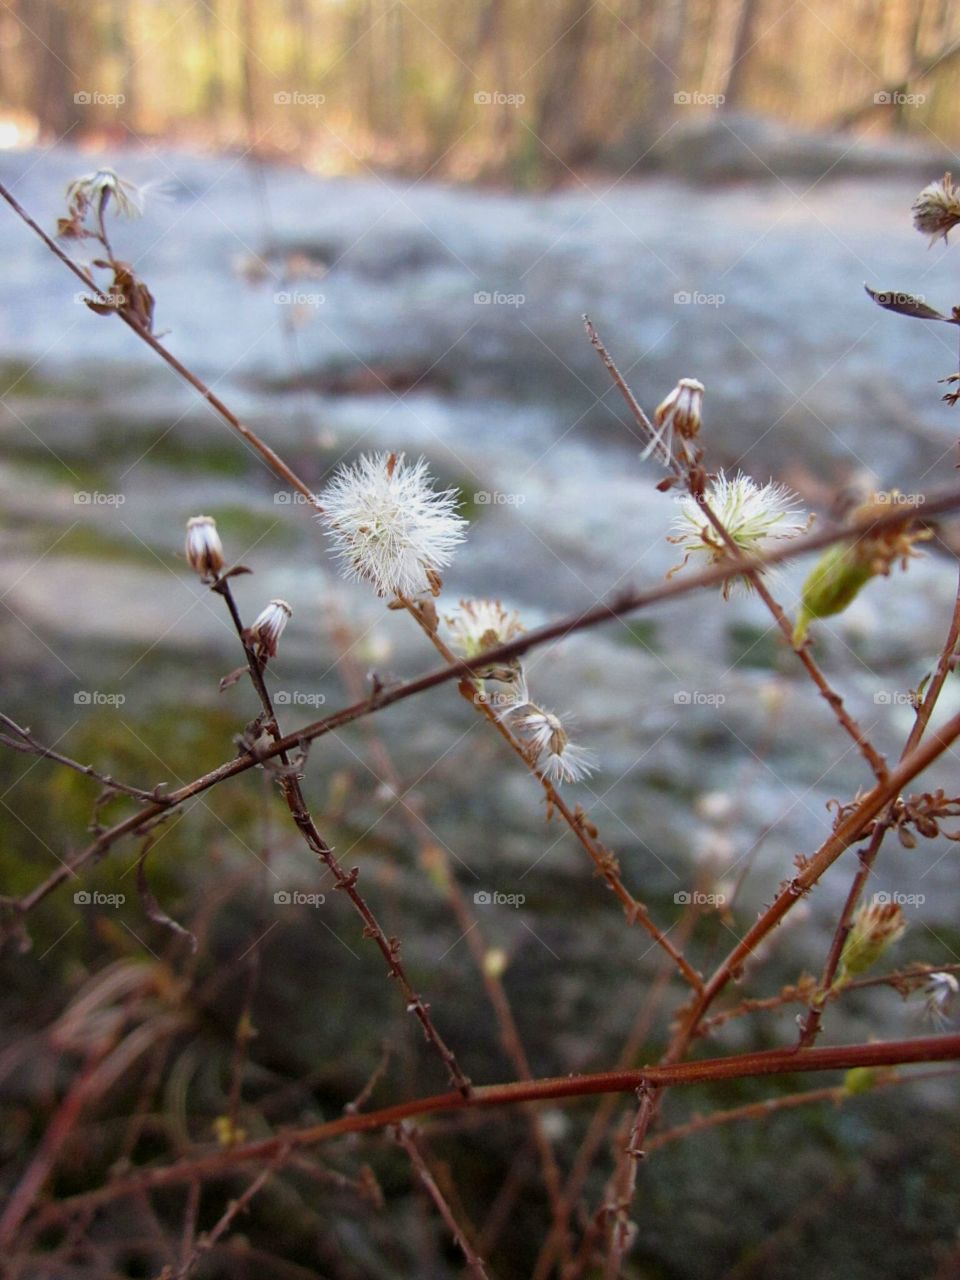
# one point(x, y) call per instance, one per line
point(344, 880)
point(737, 1067)
point(406, 1137)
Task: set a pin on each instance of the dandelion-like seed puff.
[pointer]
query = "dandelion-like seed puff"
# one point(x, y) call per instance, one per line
point(560, 759)
point(754, 515)
point(389, 525)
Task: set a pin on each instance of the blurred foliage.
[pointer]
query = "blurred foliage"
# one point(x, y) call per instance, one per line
point(505, 88)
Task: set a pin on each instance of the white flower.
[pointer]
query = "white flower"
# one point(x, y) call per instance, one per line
point(680, 412)
point(560, 759)
point(481, 624)
point(389, 525)
point(754, 515)
point(941, 992)
point(204, 550)
point(268, 626)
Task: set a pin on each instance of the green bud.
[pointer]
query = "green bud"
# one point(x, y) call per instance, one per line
point(832, 584)
point(859, 1080)
point(875, 927)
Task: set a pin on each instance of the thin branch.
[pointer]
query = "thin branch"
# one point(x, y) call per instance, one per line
point(344, 880)
point(406, 1137)
point(945, 1048)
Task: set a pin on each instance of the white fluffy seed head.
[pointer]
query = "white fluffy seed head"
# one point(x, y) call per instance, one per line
point(753, 514)
point(389, 525)
point(560, 759)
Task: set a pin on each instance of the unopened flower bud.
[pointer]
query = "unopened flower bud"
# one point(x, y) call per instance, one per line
point(204, 548)
point(832, 584)
point(679, 413)
point(684, 406)
point(876, 926)
point(842, 571)
point(268, 627)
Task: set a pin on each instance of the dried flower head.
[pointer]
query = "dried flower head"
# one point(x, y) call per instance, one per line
point(481, 624)
point(940, 994)
point(560, 759)
point(204, 549)
point(389, 525)
point(876, 926)
point(680, 412)
point(97, 190)
point(754, 515)
point(268, 627)
point(936, 210)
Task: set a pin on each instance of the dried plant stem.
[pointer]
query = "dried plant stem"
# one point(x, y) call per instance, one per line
point(433, 852)
point(837, 1094)
point(692, 478)
point(624, 603)
point(344, 880)
point(769, 1062)
point(22, 740)
point(605, 863)
point(233, 1210)
point(406, 1137)
point(811, 1026)
point(600, 1123)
